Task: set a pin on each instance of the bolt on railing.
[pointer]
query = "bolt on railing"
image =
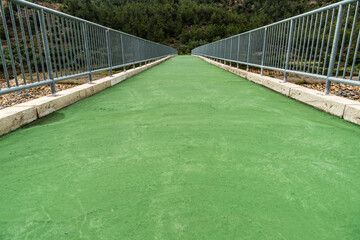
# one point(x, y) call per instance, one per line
point(307, 45)
point(53, 46)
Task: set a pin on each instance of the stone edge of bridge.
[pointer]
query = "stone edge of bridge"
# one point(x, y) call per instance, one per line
point(344, 108)
point(21, 114)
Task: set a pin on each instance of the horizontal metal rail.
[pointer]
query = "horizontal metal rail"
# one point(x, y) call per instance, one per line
point(322, 44)
point(40, 46)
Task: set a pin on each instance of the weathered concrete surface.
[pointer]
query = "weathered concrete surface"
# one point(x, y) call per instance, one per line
point(274, 84)
point(14, 117)
point(49, 104)
point(338, 106)
point(327, 103)
point(352, 113)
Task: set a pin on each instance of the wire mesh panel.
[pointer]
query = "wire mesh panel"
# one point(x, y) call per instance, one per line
point(41, 46)
point(323, 43)
point(117, 58)
point(234, 48)
point(98, 48)
point(243, 48)
point(256, 46)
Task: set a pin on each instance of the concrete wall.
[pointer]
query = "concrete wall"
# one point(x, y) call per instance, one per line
point(16, 116)
point(338, 106)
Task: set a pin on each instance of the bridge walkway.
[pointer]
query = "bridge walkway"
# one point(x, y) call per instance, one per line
point(183, 150)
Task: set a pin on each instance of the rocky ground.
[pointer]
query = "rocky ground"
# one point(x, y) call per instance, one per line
point(14, 98)
point(338, 89)
point(342, 90)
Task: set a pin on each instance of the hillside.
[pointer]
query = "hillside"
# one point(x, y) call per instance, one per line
point(185, 24)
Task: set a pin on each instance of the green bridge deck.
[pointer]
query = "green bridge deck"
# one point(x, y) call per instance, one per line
point(184, 150)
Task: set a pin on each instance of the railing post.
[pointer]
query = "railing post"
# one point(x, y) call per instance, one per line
point(289, 49)
point(230, 63)
point(87, 52)
point(223, 50)
point(238, 53)
point(122, 52)
point(133, 55)
point(248, 53)
point(4, 65)
point(334, 48)
point(9, 48)
point(107, 32)
point(263, 52)
point(47, 52)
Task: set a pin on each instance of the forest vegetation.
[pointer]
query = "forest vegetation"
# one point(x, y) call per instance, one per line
point(185, 24)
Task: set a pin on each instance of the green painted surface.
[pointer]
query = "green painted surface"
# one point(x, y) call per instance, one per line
point(184, 150)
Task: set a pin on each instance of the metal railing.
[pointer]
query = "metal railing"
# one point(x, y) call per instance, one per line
point(322, 44)
point(41, 46)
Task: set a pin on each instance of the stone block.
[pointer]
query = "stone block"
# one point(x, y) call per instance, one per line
point(12, 118)
point(352, 113)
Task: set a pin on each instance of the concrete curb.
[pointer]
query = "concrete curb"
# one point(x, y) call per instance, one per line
point(16, 116)
point(338, 106)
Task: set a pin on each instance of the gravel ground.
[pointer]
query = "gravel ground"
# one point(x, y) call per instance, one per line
point(342, 90)
point(338, 89)
point(12, 99)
